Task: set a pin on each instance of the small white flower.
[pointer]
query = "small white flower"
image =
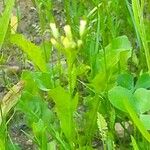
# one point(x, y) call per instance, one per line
point(82, 27)
point(54, 30)
point(68, 33)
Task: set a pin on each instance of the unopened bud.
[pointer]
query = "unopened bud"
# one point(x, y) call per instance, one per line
point(79, 42)
point(82, 27)
point(54, 30)
point(66, 43)
point(68, 33)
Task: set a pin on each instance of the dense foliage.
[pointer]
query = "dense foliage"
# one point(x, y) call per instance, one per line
point(92, 74)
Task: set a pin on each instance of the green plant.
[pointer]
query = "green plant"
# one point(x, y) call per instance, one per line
point(76, 100)
point(4, 20)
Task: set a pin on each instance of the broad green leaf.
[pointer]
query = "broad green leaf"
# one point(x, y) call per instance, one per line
point(99, 82)
point(65, 107)
point(135, 119)
point(43, 80)
point(143, 81)
point(4, 20)
point(126, 81)
point(35, 108)
point(117, 95)
point(142, 102)
point(117, 51)
point(34, 52)
point(30, 84)
point(145, 119)
point(134, 144)
point(37, 80)
point(114, 50)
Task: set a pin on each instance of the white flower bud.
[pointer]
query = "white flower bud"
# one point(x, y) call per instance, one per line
point(54, 30)
point(82, 27)
point(68, 33)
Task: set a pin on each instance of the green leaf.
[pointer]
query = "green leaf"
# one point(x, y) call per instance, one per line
point(114, 50)
point(143, 81)
point(134, 144)
point(40, 80)
point(43, 80)
point(99, 82)
point(40, 133)
point(4, 20)
point(65, 107)
point(145, 119)
point(142, 102)
point(117, 95)
point(136, 120)
point(117, 51)
point(34, 52)
point(46, 50)
point(35, 108)
point(92, 105)
point(30, 84)
point(126, 81)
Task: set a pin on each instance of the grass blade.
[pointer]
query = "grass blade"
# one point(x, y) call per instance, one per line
point(4, 20)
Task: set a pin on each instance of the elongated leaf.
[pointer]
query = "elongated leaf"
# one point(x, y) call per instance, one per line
point(65, 106)
point(139, 22)
point(134, 144)
point(136, 120)
point(4, 20)
point(34, 52)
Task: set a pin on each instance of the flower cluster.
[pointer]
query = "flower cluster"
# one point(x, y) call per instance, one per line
point(67, 42)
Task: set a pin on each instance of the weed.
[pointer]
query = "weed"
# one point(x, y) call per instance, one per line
point(76, 101)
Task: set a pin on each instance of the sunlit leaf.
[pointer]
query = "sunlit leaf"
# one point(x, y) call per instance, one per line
point(142, 102)
point(34, 52)
point(143, 81)
point(145, 120)
point(65, 107)
point(4, 20)
point(136, 119)
point(134, 144)
point(118, 94)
